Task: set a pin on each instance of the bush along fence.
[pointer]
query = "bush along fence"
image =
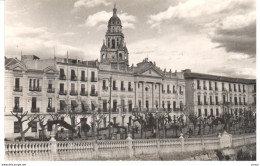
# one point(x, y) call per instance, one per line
point(118, 149)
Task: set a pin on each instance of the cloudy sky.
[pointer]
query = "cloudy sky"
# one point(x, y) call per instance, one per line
point(207, 36)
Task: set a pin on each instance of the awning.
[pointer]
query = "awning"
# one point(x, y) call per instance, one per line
point(94, 103)
point(74, 103)
point(85, 105)
point(63, 103)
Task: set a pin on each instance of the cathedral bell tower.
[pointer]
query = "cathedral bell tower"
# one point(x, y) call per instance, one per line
point(114, 49)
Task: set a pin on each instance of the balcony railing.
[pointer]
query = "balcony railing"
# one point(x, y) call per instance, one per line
point(35, 110)
point(130, 89)
point(50, 109)
point(93, 93)
point(62, 92)
point(73, 92)
point(37, 89)
point(18, 89)
point(104, 88)
point(73, 78)
point(93, 79)
point(83, 93)
point(18, 109)
point(84, 79)
point(115, 88)
point(122, 89)
point(50, 90)
point(62, 77)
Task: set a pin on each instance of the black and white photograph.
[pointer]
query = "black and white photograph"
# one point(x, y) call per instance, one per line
point(129, 80)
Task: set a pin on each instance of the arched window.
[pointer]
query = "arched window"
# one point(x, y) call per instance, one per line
point(113, 43)
point(120, 56)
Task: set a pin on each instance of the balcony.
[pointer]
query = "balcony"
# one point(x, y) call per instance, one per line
point(122, 89)
point(84, 79)
point(62, 111)
point(18, 109)
point(93, 79)
point(73, 78)
point(50, 90)
point(115, 88)
point(50, 109)
point(35, 110)
point(130, 89)
point(168, 91)
point(83, 93)
point(62, 77)
point(35, 89)
point(73, 93)
point(181, 92)
point(93, 93)
point(62, 92)
point(205, 88)
point(104, 88)
point(18, 89)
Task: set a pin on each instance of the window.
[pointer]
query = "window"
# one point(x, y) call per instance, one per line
point(235, 88)
point(122, 85)
point(146, 89)
point(210, 99)
point(114, 85)
point(216, 86)
point(93, 89)
point(16, 127)
point(123, 105)
point(16, 102)
point(62, 72)
point(174, 105)
point(82, 87)
point(82, 75)
point(50, 84)
point(73, 74)
point(199, 100)
point(217, 112)
point(211, 112)
point(17, 82)
point(113, 43)
point(114, 105)
point(114, 120)
point(72, 87)
point(198, 84)
point(120, 56)
point(117, 43)
point(34, 126)
point(49, 102)
point(163, 104)
point(105, 105)
point(139, 103)
point(108, 42)
point(30, 83)
point(62, 87)
point(129, 85)
point(224, 99)
point(239, 88)
point(206, 112)
point(34, 100)
point(173, 88)
point(235, 98)
point(223, 86)
point(199, 112)
point(205, 100)
point(216, 100)
point(104, 84)
point(92, 76)
point(210, 87)
point(147, 104)
point(230, 89)
point(130, 106)
point(244, 100)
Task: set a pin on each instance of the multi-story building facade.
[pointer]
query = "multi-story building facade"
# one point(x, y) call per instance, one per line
point(63, 85)
point(213, 95)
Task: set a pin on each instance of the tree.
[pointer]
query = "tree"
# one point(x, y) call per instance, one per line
point(21, 118)
point(42, 125)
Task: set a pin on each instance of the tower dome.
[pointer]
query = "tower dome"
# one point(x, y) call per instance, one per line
point(114, 20)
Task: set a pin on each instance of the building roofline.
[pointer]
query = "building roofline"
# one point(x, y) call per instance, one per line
point(218, 78)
